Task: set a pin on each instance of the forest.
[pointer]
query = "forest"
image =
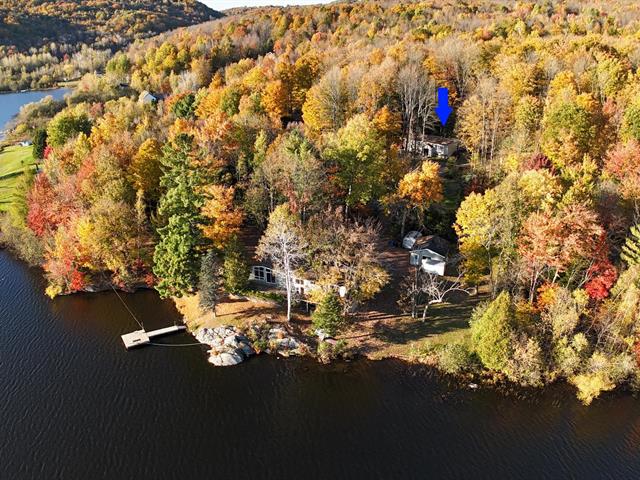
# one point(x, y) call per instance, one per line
point(298, 122)
point(44, 42)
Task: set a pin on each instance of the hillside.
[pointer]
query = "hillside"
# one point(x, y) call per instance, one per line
point(317, 128)
point(28, 24)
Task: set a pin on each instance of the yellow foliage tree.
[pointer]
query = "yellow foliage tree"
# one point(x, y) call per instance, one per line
point(224, 218)
point(145, 168)
point(422, 187)
point(275, 100)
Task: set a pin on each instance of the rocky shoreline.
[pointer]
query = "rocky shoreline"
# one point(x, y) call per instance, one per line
point(230, 345)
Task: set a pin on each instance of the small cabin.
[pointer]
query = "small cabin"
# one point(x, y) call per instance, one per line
point(26, 143)
point(147, 98)
point(430, 254)
point(434, 146)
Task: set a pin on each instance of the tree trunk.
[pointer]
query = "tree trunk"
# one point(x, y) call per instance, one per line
point(288, 287)
point(404, 221)
point(424, 312)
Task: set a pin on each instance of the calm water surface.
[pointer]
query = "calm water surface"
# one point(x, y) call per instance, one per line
point(76, 405)
point(10, 103)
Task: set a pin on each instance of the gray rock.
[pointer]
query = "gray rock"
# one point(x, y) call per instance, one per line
point(231, 341)
point(247, 349)
point(226, 359)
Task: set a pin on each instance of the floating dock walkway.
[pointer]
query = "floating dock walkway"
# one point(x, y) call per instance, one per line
point(142, 337)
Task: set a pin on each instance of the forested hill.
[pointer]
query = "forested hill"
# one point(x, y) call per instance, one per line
point(28, 24)
point(310, 123)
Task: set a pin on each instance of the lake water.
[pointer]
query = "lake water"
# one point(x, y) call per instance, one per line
point(76, 405)
point(10, 103)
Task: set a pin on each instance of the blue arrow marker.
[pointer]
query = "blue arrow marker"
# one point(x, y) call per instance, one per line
point(443, 110)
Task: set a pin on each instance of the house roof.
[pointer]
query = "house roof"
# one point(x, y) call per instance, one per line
point(434, 243)
point(440, 140)
point(147, 95)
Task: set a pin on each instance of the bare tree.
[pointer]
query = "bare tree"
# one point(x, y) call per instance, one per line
point(429, 288)
point(332, 92)
point(345, 252)
point(417, 97)
point(283, 244)
point(460, 58)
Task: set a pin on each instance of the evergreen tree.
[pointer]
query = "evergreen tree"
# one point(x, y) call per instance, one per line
point(39, 143)
point(631, 248)
point(176, 258)
point(491, 332)
point(210, 281)
point(236, 269)
point(328, 316)
point(185, 107)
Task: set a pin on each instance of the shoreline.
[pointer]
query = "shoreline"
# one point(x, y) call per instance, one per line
point(69, 85)
point(467, 380)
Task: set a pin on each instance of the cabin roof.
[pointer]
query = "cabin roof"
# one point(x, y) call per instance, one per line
point(440, 140)
point(434, 243)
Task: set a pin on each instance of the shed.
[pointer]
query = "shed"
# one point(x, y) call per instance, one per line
point(430, 253)
point(147, 97)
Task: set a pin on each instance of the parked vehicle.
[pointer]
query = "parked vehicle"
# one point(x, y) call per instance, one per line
point(410, 239)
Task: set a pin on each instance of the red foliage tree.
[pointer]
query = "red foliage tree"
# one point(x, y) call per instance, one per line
point(78, 281)
point(623, 164)
point(40, 217)
point(603, 276)
point(551, 243)
point(537, 161)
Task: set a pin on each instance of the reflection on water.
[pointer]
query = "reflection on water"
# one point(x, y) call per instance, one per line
point(75, 404)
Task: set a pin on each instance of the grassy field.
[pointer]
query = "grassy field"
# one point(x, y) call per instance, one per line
point(13, 161)
point(403, 336)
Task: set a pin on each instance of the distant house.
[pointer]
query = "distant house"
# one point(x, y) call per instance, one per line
point(147, 98)
point(430, 254)
point(433, 146)
point(26, 143)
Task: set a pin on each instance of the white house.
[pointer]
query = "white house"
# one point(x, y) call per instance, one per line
point(433, 146)
point(272, 278)
point(430, 254)
point(147, 98)
point(26, 143)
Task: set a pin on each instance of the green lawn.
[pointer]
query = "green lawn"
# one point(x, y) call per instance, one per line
point(13, 161)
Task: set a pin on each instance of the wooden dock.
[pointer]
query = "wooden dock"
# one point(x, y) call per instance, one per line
point(142, 337)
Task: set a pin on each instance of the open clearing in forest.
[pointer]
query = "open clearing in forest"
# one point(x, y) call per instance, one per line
point(13, 161)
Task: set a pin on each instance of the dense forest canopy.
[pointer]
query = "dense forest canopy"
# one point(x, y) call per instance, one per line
point(59, 40)
point(26, 24)
point(301, 122)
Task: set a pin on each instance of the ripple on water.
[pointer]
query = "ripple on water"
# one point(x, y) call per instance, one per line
point(77, 405)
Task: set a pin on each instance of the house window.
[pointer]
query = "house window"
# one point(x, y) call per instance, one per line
point(258, 273)
point(264, 275)
point(269, 276)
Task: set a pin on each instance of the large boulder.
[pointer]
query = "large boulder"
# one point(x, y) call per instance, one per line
point(226, 359)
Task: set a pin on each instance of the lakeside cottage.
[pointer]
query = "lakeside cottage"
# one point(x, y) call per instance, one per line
point(430, 254)
point(269, 277)
point(272, 278)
